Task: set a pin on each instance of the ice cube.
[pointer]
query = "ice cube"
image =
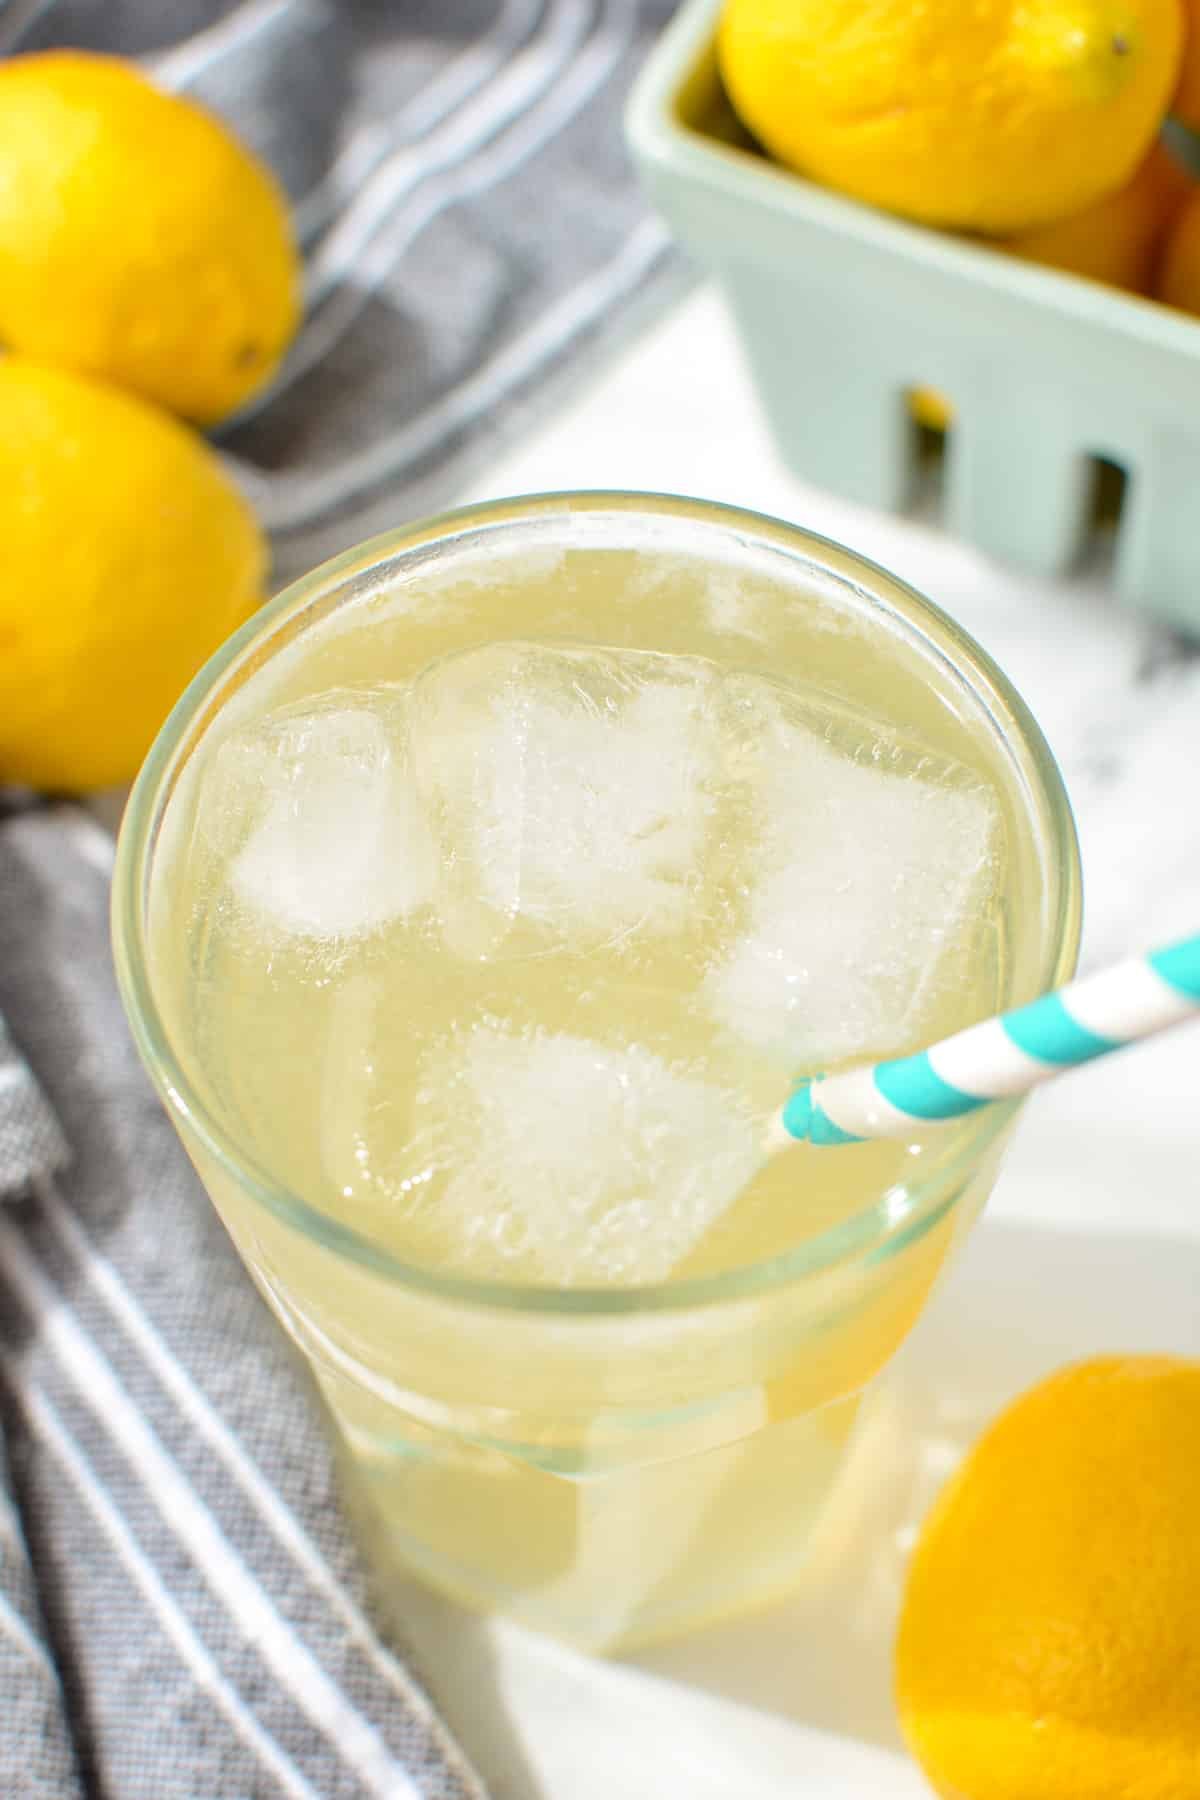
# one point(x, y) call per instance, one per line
point(567, 789)
point(874, 857)
point(572, 1161)
point(315, 811)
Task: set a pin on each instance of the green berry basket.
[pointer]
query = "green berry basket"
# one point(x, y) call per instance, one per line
point(844, 311)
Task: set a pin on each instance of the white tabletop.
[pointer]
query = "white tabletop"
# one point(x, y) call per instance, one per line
point(1092, 1241)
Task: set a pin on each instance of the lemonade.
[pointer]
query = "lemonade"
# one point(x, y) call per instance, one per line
point(493, 913)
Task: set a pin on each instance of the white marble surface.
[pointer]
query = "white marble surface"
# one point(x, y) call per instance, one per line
point(1093, 1238)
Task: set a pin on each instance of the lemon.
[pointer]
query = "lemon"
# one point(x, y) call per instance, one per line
point(930, 408)
point(994, 116)
point(126, 556)
point(139, 242)
point(1179, 273)
point(1049, 1645)
point(1120, 240)
point(1186, 103)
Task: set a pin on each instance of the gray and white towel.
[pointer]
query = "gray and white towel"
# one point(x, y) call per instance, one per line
point(182, 1616)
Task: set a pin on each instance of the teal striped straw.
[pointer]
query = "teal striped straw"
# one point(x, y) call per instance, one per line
point(1001, 1058)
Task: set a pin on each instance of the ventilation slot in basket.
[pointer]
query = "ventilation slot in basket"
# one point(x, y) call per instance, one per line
point(930, 416)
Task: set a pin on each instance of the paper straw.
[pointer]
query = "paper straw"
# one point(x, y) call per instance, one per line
point(1000, 1058)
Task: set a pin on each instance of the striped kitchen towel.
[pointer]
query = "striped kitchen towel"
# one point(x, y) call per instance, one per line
point(181, 1614)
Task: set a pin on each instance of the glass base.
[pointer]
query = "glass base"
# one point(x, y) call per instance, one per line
point(611, 1561)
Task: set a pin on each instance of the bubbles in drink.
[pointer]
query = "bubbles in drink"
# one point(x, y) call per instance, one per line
point(562, 1159)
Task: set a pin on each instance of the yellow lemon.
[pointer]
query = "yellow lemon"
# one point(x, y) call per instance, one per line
point(1049, 1645)
point(1119, 240)
point(1179, 272)
point(139, 242)
point(1186, 104)
point(930, 408)
point(994, 116)
point(126, 556)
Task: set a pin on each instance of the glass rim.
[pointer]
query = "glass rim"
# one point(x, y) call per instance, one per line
point(876, 1226)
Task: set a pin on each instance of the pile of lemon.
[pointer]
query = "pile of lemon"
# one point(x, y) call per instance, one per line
point(148, 276)
point(1035, 123)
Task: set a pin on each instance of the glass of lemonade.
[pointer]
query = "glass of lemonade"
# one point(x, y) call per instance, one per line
point(478, 905)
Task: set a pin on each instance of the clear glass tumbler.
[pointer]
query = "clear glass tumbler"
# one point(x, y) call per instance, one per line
point(620, 1464)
